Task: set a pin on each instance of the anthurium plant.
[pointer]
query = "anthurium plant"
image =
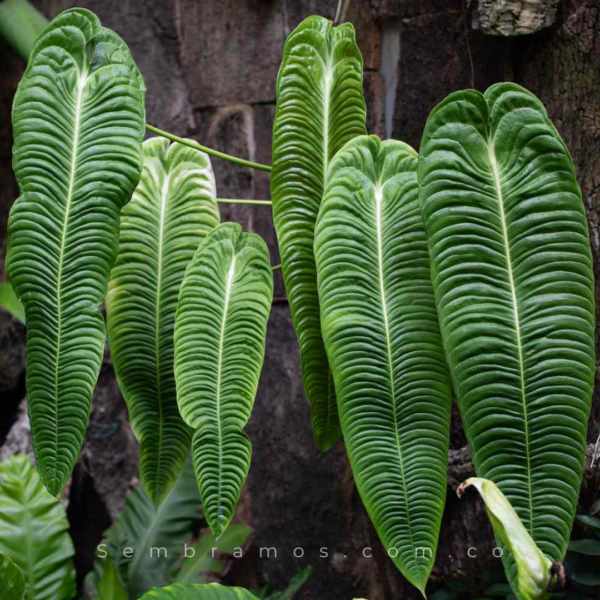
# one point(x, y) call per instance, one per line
point(464, 268)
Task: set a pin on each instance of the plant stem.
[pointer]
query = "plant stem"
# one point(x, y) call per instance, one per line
point(20, 25)
point(236, 201)
point(276, 267)
point(216, 153)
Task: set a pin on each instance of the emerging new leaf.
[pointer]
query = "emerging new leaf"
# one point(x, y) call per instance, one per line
point(533, 568)
point(512, 272)
point(384, 345)
point(78, 121)
point(34, 532)
point(190, 591)
point(319, 108)
point(172, 210)
point(220, 331)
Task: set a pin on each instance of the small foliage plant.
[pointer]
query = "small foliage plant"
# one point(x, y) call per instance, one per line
point(463, 268)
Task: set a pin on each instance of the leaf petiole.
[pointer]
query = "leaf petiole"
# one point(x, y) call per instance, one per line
point(216, 153)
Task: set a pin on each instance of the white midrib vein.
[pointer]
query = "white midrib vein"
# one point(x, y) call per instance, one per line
point(326, 98)
point(161, 230)
point(81, 82)
point(378, 207)
point(228, 286)
point(497, 182)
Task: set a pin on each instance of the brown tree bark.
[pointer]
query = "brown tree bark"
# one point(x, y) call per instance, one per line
point(210, 68)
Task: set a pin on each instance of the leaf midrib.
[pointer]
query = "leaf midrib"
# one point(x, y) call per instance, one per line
point(498, 185)
point(81, 83)
point(163, 211)
point(230, 277)
point(378, 205)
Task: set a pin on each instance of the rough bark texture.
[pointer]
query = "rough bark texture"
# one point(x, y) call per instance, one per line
point(210, 68)
point(514, 17)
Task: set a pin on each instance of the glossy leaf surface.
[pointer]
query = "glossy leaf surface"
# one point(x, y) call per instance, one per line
point(190, 591)
point(384, 345)
point(319, 108)
point(512, 272)
point(220, 332)
point(533, 568)
point(78, 122)
point(34, 532)
point(172, 209)
point(12, 582)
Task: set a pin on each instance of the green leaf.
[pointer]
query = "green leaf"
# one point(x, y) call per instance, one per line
point(34, 532)
point(384, 345)
point(12, 582)
point(592, 522)
point(78, 122)
point(172, 210)
point(10, 302)
point(296, 582)
point(110, 586)
point(220, 333)
point(198, 561)
point(319, 108)
point(512, 272)
point(142, 526)
point(533, 568)
point(588, 579)
point(587, 547)
point(189, 591)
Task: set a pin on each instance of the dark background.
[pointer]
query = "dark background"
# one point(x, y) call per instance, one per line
point(210, 67)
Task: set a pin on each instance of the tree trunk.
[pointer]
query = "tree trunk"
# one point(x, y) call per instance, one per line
point(210, 68)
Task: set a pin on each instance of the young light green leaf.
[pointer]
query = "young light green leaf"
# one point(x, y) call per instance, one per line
point(534, 570)
point(199, 559)
point(512, 272)
point(34, 532)
point(78, 122)
point(143, 526)
point(172, 210)
point(189, 591)
point(12, 582)
point(110, 586)
point(9, 301)
point(319, 108)
point(384, 345)
point(220, 331)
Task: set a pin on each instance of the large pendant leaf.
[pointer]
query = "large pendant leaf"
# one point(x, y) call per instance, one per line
point(512, 273)
point(172, 210)
point(78, 120)
point(319, 108)
point(34, 532)
point(220, 333)
point(382, 337)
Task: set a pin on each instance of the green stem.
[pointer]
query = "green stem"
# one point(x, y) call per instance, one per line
point(276, 267)
point(216, 153)
point(237, 201)
point(20, 25)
